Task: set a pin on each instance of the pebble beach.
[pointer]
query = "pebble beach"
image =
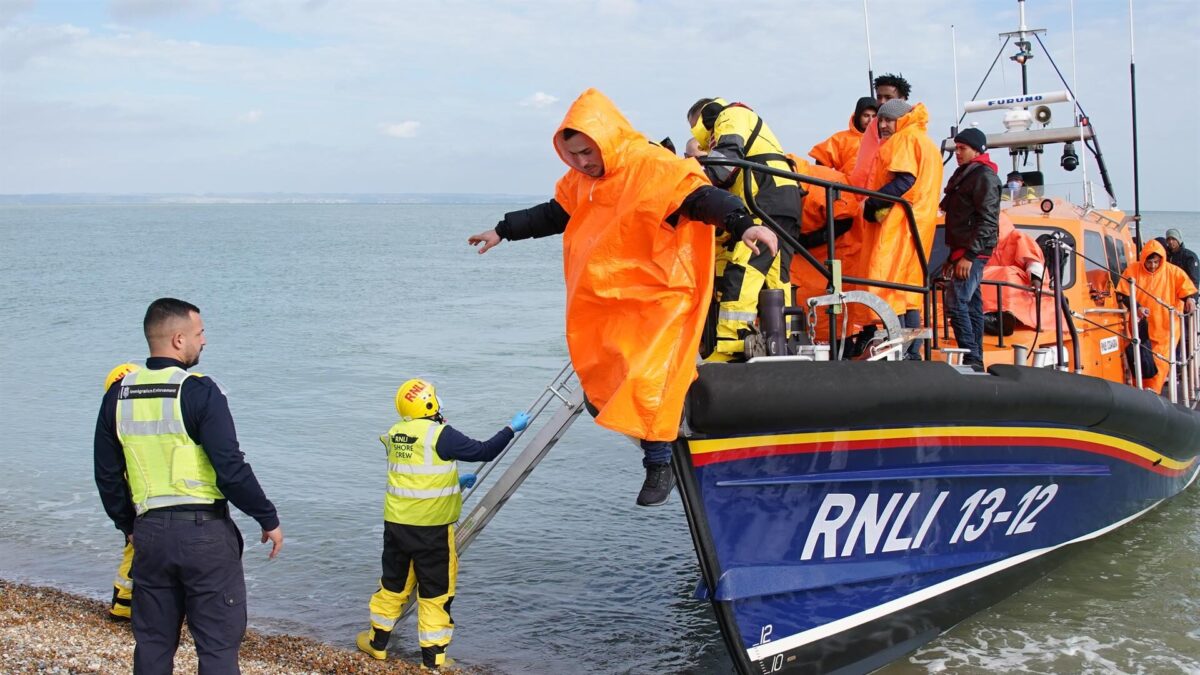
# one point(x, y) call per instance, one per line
point(48, 631)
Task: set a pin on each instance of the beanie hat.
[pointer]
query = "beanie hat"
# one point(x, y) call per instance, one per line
point(894, 109)
point(865, 103)
point(1174, 234)
point(972, 138)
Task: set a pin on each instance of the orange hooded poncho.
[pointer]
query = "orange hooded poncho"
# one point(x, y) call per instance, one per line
point(1014, 254)
point(1169, 284)
point(638, 289)
point(807, 280)
point(839, 151)
point(887, 250)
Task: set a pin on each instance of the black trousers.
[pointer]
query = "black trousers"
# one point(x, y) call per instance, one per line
point(193, 568)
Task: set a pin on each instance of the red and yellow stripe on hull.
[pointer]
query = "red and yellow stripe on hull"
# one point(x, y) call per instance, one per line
point(713, 451)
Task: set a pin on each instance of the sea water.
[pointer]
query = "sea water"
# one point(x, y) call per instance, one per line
point(315, 314)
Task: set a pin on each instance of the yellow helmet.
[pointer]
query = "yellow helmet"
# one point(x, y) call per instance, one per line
point(119, 372)
point(417, 399)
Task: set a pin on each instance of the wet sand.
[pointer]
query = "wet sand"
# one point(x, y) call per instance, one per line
point(47, 631)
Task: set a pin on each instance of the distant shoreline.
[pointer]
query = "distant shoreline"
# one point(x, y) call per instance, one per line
point(67, 199)
point(47, 630)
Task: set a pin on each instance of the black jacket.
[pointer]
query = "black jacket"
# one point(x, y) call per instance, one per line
point(207, 419)
point(1186, 260)
point(972, 206)
point(706, 203)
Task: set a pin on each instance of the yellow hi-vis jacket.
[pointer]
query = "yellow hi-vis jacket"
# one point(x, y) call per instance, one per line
point(422, 487)
point(165, 467)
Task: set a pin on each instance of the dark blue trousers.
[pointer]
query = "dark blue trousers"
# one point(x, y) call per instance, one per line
point(187, 567)
point(964, 305)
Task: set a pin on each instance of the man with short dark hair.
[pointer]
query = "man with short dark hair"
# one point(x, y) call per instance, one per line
point(972, 206)
point(889, 86)
point(167, 464)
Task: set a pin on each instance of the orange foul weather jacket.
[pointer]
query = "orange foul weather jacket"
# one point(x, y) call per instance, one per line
point(839, 151)
point(1171, 285)
point(1015, 259)
point(847, 210)
point(638, 289)
point(888, 252)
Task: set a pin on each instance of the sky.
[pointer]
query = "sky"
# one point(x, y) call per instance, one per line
point(390, 96)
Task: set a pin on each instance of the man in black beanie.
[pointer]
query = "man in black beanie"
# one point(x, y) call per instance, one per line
point(972, 206)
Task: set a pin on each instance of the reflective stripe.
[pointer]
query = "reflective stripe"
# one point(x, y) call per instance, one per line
point(726, 315)
point(383, 621)
point(422, 494)
point(169, 500)
point(427, 470)
point(128, 427)
point(431, 636)
point(122, 583)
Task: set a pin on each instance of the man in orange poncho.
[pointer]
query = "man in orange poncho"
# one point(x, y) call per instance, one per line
point(638, 260)
point(840, 151)
point(909, 165)
point(1168, 283)
point(847, 211)
point(1017, 260)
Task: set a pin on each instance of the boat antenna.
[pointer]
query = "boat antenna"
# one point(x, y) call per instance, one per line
point(1023, 45)
point(1137, 205)
point(1087, 186)
point(870, 64)
point(957, 100)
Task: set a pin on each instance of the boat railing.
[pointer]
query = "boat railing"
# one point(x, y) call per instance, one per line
point(1183, 380)
point(833, 271)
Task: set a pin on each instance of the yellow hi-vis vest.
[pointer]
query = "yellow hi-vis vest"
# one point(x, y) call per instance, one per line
point(164, 465)
point(422, 487)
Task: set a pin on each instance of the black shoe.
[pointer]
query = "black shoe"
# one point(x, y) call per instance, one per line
point(660, 480)
point(976, 366)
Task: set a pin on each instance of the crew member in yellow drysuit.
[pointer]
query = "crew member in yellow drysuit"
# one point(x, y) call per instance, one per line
point(1168, 283)
point(734, 131)
point(423, 502)
point(909, 165)
point(638, 261)
point(122, 600)
point(840, 151)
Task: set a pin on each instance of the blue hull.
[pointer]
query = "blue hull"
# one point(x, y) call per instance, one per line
point(830, 548)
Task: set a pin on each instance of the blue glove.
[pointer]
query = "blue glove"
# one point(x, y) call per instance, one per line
point(519, 421)
point(467, 480)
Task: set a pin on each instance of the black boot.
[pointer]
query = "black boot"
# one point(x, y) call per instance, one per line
point(660, 480)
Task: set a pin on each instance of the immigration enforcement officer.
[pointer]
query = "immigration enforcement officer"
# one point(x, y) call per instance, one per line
point(167, 464)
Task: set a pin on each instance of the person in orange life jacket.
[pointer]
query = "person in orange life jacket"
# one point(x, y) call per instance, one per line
point(1158, 282)
point(887, 87)
point(638, 255)
point(176, 513)
point(840, 151)
point(423, 502)
point(972, 207)
point(908, 165)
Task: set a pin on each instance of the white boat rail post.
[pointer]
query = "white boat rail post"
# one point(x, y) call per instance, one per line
point(565, 389)
point(1193, 340)
point(1185, 380)
point(1133, 330)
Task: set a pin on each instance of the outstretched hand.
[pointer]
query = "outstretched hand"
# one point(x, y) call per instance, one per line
point(276, 537)
point(761, 234)
point(488, 239)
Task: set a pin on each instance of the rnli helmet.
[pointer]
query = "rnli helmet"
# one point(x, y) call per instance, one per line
point(417, 399)
point(119, 372)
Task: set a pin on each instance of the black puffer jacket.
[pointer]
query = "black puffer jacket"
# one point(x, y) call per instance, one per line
point(972, 206)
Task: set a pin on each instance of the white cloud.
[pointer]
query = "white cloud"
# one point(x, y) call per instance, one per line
point(406, 129)
point(250, 117)
point(539, 100)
